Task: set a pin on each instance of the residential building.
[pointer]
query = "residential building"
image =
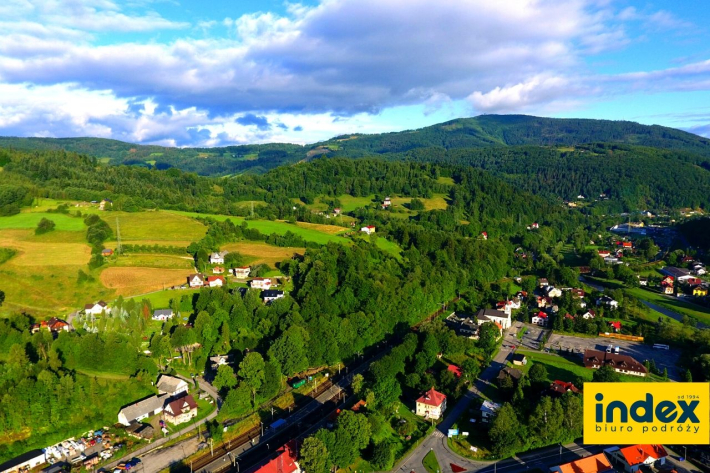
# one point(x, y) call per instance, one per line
point(519, 359)
point(496, 316)
point(463, 325)
point(218, 270)
point(215, 281)
point(24, 462)
point(455, 370)
point(271, 295)
point(604, 253)
point(386, 203)
point(607, 302)
point(484, 235)
point(431, 405)
point(552, 291)
point(196, 280)
point(598, 463)
point(678, 274)
point(142, 409)
point(218, 258)
point(163, 314)
point(241, 272)
point(590, 314)
point(624, 364)
point(106, 252)
point(369, 229)
point(284, 462)
point(512, 373)
point(489, 410)
point(220, 360)
point(616, 326)
point(542, 282)
point(180, 410)
point(54, 325)
point(561, 387)
point(97, 308)
point(260, 283)
point(171, 385)
point(633, 457)
point(540, 319)
point(643, 281)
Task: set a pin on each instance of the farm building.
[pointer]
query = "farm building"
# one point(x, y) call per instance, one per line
point(141, 409)
point(171, 385)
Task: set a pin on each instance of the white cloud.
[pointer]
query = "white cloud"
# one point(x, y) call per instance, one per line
point(536, 91)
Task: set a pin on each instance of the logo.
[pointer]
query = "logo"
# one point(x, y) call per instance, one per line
point(625, 413)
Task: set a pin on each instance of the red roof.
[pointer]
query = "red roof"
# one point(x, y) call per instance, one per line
point(637, 454)
point(616, 325)
point(455, 370)
point(215, 278)
point(284, 463)
point(542, 315)
point(562, 387)
point(627, 244)
point(432, 398)
point(604, 253)
point(569, 316)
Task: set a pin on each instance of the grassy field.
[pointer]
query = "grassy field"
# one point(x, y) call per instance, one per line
point(389, 246)
point(161, 299)
point(58, 248)
point(263, 253)
point(570, 258)
point(329, 229)
point(277, 227)
point(160, 226)
point(154, 261)
point(438, 202)
point(449, 181)
point(134, 280)
point(349, 203)
point(31, 219)
point(431, 464)
point(676, 305)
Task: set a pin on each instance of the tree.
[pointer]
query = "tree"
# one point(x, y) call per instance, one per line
point(688, 376)
point(314, 456)
point(225, 378)
point(606, 374)
point(2, 297)
point(237, 402)
point(357, 383)
point(251, 370)
point(44, 226)
point(383, 456)
point(537, 373)
point(216, 430)
point(505, 431)
point(471, 368)
point(488, 337)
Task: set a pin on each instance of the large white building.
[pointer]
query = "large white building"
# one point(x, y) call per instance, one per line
point(498, 317)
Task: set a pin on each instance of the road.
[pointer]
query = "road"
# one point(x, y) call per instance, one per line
point(437, 440)
point(154, 457)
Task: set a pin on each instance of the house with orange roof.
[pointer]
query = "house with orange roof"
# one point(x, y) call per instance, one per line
point(592, 464)
point(214, 281)
point(431, 405)
point(633, 457)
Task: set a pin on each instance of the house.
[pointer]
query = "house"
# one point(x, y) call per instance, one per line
point(624, 364)
point(667, 285)
point(218, 270)
point(578, 293)
point(54, 325)
point(284, 462)
point(260, 283)
point(106, 252)
point(484, 235)
point(218, 258)
point(700, 291)
point(519, 359)
point(542, 282)
point(463, 325)
point(535, 226)
point(699, 270)
point(552, 291)
point(604, 253)
point(496, 316)
point(215, 281)
point(24, 462)
point(455, 370)
point(370, 229)
point(616, 326)
point(336, 211)
point(607, 302)
point(512, 373)
point(562, 387)
point(540, 319)
point(104, 203)
point(97, 308)
point(627, 245)
point(271, 295)
point(678, 274)
point(171, 385)
point(241, 272)
point(598, 463)
point(431, 405)
point(687, 259)
point(590, 314)
point(163, 314)
point(180, 410)
point(489, 410)
point(142, 409)
point(692, 282)
point(219, 360)
point(543, 301)
point(196, 280)
point(633, 457)
point(508, 306)
point(612, 260)
point(643, 281)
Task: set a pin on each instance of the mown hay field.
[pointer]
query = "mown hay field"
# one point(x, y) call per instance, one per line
point(263, 253)
point(136, 280)
point(154, 261)
point(51, 249)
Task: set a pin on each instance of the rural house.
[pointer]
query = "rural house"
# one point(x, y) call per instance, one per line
point(214, 281)
point(431, 405)
point(218, 258)
point(54, 325)
point(171, 385)
point(634, 457)
point(607, 302)
point(519, 359)
point(271, 295)
point(678, 274)
point(561, 387)
point(241, 272)
point(97, 308)
point(180, 410)
point(540, 319)
point(623, 364)
point(512, 373)
point(196, 280)
point(141, 410)
point(107, 252)
point(218, 270)
point(590, 314)
point(260, 283)
point(370, 229)
point(163, 314)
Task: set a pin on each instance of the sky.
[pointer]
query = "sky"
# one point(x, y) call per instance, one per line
point(225, 72)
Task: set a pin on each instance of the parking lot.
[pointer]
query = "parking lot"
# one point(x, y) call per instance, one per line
point(639, 351)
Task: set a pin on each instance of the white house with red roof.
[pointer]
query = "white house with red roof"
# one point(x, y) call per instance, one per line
point(633, 457)
point(431, 405)
point(540, 319)
point(214, 281)
point(604, 253)
point(369, 229)
point(242, 272)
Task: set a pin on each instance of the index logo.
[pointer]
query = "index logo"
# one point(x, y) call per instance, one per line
point(623, 413)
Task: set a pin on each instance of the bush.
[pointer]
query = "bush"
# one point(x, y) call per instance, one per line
point(44, 226)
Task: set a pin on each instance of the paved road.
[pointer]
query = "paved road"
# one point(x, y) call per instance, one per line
point(437, 440)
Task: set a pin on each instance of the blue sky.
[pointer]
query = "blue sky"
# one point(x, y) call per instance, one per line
point(196, 73)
